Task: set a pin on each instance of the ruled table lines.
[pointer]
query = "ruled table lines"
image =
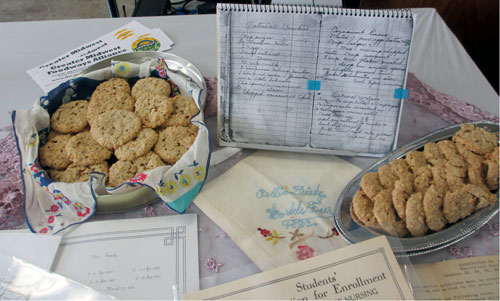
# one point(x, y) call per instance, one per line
point(268, 59)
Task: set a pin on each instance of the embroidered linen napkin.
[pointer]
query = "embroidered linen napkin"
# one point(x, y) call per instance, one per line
point(278, 206)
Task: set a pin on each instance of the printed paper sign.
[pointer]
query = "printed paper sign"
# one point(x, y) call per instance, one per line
point(367, 270)
point(133, 37)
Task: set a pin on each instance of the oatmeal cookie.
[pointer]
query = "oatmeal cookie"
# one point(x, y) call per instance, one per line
point(52, 133)
point(468, 204)
point(53, 153)
point(469, 157)
point(433, 209)
point(477, 174)
point(386, 216)
point(386, 177)
point(491, 174)
point(400, 167)
point(439, 179)
point(451, 209)
point(399, 199)
point(114, 85)
point(114, 128)
point(173, 142)
point(423, 178)
point(476, 139)
point(370, 184)
point(403, 188)
point(121, 171)
point(102, 101)
point(362, 207)
point(455, 176)
point(449, 150)
point(184, 109)
point(415, 160)
point(406, 183)
point(151, 85)
point(458, 204)
point(354, 217)
point(432, 154)
point(139, 146)
point(415, 218)
point(153, 109)
point(83, 150)
point(77, 173)
point(482, 196)
point(493, 156)
point(56, 174)
point(70, 117)
point(148, 161)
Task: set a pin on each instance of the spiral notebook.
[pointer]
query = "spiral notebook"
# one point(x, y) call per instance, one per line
point(312, 79)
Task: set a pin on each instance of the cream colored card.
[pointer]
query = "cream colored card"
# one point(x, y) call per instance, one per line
point(278, 206)
point(459, 279)
point(367, 270)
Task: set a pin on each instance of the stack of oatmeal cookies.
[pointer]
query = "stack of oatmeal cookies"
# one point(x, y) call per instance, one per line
point(120, 131)
point(430, 188)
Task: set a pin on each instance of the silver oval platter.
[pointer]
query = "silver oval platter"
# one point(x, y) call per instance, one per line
point(143, 196)
point(354, 233)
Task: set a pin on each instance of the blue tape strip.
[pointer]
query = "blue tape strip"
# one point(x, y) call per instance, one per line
point(401, 93)
point(314, 85)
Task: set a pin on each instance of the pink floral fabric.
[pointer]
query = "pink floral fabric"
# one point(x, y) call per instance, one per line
point(211, 102)
point(447, 107)
point(11, 189)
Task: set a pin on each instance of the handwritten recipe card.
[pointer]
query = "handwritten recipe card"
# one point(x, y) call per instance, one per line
point(312, 78)
point(135, 258)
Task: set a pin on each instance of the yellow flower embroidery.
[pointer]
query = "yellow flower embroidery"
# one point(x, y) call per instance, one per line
point(198, 173)
point(171, 187)
point(122, 69)
point(32, 141)
point(161, 190)
point(185, 180)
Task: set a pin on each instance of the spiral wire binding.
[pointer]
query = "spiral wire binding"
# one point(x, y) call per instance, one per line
point(309, 9)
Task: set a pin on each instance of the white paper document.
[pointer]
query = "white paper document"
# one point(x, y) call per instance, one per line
point(144, 258)
point(131, 37)
point(22, 243)
point(367, 270)
point(20, 280)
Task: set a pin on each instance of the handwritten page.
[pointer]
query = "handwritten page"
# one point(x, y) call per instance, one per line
point(20, 280)
point(145, 258)
point(460, 279)
point(307, 81)
point(336, 275)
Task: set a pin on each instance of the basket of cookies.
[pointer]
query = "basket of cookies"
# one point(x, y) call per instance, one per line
point(126, 132)
point(427, 194)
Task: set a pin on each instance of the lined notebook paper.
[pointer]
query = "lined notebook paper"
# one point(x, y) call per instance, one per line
point(314, 79)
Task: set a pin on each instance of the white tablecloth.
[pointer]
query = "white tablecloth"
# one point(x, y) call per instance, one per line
point(437, 58)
